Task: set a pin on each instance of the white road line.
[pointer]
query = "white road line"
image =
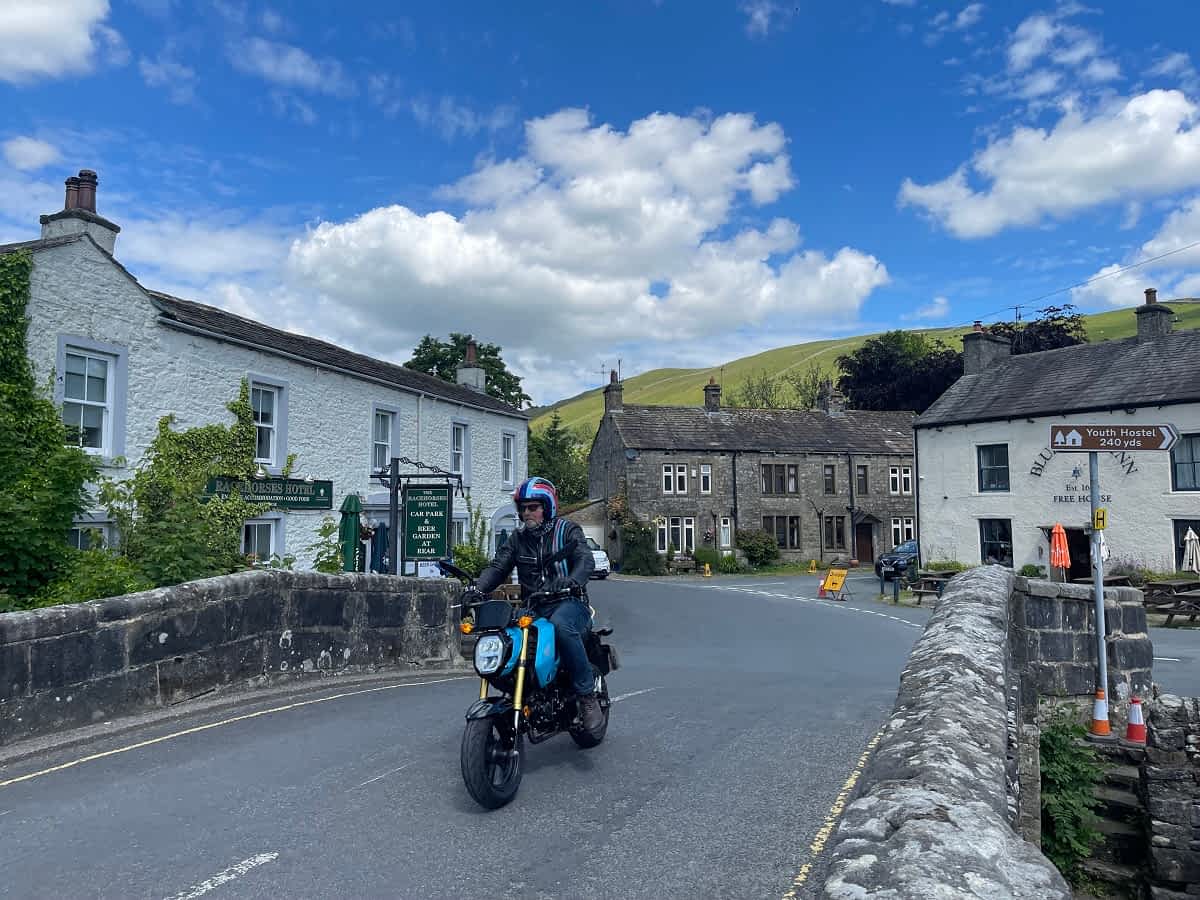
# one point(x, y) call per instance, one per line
point(385, 774)
point(6, 812)
point(211, 884)
point(621, 697)
point(1167, 659)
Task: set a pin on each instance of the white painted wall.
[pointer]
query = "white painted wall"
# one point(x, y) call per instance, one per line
point(1141, 504)
point(77, 290)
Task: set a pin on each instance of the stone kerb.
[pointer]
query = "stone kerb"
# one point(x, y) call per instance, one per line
point(74, 665)
point(933, 816)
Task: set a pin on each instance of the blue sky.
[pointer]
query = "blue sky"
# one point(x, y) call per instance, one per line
point(664, 182)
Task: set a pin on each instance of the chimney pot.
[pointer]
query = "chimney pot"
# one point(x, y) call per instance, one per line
point(613, 393)
point(72, 200)
point(1151, 295)
point(1153, 319)
point(470, 353)
point(981, 350)
point(978, 326)
point(87, 190)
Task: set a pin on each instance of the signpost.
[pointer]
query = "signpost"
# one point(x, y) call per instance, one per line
point(1069, 437)
point(427, 513)
point(288, 493)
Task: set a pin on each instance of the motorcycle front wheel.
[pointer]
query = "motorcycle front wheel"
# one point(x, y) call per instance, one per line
point(490, 771)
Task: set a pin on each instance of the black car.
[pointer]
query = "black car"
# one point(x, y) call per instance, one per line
point(898, 560)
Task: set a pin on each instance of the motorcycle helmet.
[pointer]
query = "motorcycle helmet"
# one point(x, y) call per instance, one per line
point(538, 488)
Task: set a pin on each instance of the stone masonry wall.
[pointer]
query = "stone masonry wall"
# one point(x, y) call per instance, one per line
point(934, 816)
point(68, 666)
point(1170, 783)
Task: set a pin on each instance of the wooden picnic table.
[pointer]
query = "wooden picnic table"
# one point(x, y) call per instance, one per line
point(1109, 580)
point(1172, 585)
point(930, 583)
point(1179, 603)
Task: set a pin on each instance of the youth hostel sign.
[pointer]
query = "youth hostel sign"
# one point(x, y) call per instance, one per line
point(1118, 438)
point(426, 522)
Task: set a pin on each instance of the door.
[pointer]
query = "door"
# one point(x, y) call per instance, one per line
point(1079, 545)
point(864, 544)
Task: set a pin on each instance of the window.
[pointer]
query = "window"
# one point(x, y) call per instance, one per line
point(706, 478)
point(786, 530)
point(905, 480)
point(88, 399)
point(791, 480)
point(900, 480)
point(689, 534)
point(726, 531)
point(677, 533)
point(263, 401)
point(381, 440)
point(830, 480)
point(1181, 527)
point(993, 467)
point(863, 485)
point(85, 536)
point(894, 480)
point(681, 479)
point(258, 540)
point(662, 536)
point(903, 529)
point(779, 479)
point(508, 443)
point(835, 532)
point(1185, 464)
point(458, 449)
point(995, 541)
point(458, 532)
point(668, 478)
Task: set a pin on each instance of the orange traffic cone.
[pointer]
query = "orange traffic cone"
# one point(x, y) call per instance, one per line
point(821, 588)
point(1135, 731)
point(1100, 729)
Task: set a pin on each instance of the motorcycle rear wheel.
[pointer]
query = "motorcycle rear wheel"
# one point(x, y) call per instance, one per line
point(581, 736)
point(491, 775)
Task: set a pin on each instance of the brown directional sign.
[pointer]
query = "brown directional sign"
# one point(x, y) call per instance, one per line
point(1071, 437)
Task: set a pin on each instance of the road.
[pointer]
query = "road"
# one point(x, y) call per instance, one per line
point(742, 708)
point(1177, 660)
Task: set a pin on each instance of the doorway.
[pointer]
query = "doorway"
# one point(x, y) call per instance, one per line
point(864, 543)
point(1079, 545)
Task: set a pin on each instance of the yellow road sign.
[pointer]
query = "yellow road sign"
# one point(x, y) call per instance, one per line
point(834, 580)
point(1100, 519)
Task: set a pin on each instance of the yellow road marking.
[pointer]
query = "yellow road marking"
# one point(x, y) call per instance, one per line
point(230, 721)
point(835, 813)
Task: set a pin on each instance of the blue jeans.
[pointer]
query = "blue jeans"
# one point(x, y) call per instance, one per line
point(572, 621)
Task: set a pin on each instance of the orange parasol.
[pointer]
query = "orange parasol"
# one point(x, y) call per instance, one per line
point(1059, 557)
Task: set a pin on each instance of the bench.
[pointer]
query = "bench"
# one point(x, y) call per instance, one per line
point(1181, 603)
point(922, 592)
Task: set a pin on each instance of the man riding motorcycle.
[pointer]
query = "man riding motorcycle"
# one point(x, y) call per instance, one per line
point(550, 554)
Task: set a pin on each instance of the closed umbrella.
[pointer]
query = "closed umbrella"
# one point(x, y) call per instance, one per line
point(1060, 558)
point(1191, 552)
point(348, 531)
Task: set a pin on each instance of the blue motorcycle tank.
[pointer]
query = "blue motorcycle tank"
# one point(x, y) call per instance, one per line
point(545, 653)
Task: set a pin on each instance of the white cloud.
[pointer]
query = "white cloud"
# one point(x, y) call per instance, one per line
point(28, 154)
point(450, 119)
point(968, 16)
point(165, 72)
point(290, 66)
point(763, 15)
point(937, 308)
point(1145, 146)
point(944, 22)
point(1178, 68)
point(900, 2)
point(593, 239)
point(39, 39)
point(197, 248)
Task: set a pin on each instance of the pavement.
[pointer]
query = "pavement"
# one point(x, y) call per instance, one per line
point(742, 707)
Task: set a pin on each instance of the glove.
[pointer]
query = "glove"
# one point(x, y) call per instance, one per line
point(560, 583)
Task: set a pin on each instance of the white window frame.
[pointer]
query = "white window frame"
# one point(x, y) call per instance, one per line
point(116, 389)
point(662, 536)
point(272, 429)
point(105, 406)
point(279, 449)
point(458, 532)
point(897, 532)
point(76, 531)
point(389, 416)
point(273, 542)
point(705, 478)
point(910, 529)
point(894, 481)
point(726, 534)
point(689, 534)
point(668, 478)
point(906, 484)
point(681, 476)
point(508, 463)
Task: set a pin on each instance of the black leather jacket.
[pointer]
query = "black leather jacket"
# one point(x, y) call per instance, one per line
point(540, 558)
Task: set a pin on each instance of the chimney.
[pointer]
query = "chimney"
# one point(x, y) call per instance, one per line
point(469, 373)
point(712, 395)
point(612, 393)
point(1153, 319)
point(982, 350)
point(78, 215)
point(830, 400)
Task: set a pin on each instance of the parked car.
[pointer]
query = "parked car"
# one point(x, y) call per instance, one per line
point(601, 559)
point(897, 561)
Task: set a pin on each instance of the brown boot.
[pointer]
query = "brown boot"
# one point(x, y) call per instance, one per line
point(589, 708)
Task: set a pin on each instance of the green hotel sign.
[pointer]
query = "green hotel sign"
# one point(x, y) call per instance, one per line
point(426, 522)
point(289, 493)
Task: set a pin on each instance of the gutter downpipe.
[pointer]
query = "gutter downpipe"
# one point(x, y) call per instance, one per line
point(917, 495)
point(735, 498)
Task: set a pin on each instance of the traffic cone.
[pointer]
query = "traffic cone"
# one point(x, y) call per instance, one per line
point(821, 588)
point(1135, 731)
point(1100, 729)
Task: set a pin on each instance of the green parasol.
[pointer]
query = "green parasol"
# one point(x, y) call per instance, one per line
point(348, 532)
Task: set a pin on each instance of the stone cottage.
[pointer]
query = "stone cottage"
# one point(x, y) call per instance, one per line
point(123, 356)
point(830, 483)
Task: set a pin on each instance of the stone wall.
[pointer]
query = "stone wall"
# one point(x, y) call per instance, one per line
point(1170, 783)
point(74, 665)
point(935, 815)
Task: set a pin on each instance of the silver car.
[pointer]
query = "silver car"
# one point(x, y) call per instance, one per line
point(601, 559)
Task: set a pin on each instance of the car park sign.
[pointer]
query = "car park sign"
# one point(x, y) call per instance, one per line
point(1118, 438)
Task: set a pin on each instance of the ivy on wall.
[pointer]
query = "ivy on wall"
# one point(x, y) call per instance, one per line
point(42, 479)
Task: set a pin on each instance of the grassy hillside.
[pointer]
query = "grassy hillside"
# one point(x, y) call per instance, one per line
point(684, 387)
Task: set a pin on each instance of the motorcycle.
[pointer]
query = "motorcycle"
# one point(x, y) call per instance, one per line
point(515, 654)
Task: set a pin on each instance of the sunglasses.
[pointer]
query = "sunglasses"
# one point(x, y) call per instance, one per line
point(526, 507)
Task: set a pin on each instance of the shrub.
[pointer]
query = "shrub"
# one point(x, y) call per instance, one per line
point(1070, 773)
point(728, 565)
point(1029, 570)
point(326, 550)
point(760, 547)
point(640, 556)
point(89, 575)
point(704, 555)
point(470, 559)
point(945, 565)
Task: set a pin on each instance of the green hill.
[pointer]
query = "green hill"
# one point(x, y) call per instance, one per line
point(684, 387)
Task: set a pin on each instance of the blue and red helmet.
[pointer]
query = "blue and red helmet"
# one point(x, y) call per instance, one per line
point(538, 488)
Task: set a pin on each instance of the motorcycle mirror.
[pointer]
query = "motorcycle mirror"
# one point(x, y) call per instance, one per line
point(448, 568)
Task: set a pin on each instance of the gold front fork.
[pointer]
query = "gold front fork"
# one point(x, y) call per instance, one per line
point(519, 694)
point(483, 688)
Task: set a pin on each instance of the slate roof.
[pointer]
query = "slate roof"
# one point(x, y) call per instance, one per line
point(784, 430)
point(40, 244)
point(218, 322)
point(1085, 378)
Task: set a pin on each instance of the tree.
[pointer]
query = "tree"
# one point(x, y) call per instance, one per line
point(42, 477)
point(442, 358)
point(1056, 326)
point(789, 390)
point(899, 370)
point(554, 454)
point(806, 386)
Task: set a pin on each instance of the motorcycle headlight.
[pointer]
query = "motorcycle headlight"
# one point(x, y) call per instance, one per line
point(489, 654)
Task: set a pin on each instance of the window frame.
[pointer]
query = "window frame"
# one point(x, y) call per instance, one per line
point(897, 531)
point(725, 534)
point(681, 479)
point(834, 533)
point(278, 535)
point(983, 541)
point(379, 409)
point(116, 389)
point(980, 469)
point(510, 438)
point(863, 479)
point(705, 478)
point(829, 479)
point(689, 534)
point(675, 533)
point(663, 541)
point(465, 464)
point(906, 481)
point(894, 481)
point(280, 449)
point(668, 478)
point(1193, 444)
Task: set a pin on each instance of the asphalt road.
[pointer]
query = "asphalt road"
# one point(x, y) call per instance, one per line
point(743, 706)
point(1177, 660)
